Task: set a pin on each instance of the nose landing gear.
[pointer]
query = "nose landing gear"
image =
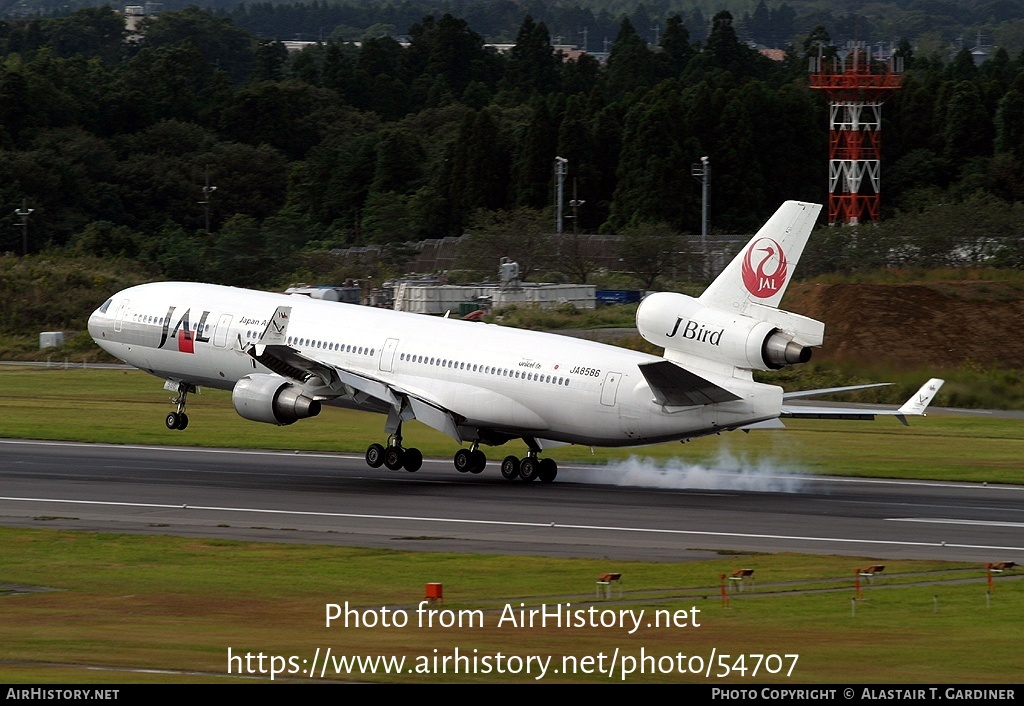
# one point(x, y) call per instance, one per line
point(179, 420)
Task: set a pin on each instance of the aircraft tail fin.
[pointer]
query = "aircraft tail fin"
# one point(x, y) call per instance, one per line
point(761, 271)
point(736, 321)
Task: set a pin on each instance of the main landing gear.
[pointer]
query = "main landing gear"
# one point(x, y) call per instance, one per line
point(179, 420)
point(394, 456)
point(529, 468)
point(471, 460)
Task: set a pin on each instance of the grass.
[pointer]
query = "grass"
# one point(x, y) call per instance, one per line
point(178, 604)
point(153, 602)
point(118, 406)
point(565, 316)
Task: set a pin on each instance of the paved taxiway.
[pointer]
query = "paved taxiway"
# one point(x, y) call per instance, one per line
point(336, 499)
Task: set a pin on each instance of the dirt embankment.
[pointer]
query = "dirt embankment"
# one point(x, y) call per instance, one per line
point(910, 326)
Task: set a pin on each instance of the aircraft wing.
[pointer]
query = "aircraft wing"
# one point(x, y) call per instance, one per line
point(915, 406)
point(330, 381)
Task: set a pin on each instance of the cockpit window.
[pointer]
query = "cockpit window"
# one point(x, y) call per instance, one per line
point(106, 305)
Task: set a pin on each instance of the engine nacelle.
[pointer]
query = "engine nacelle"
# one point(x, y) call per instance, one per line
point(271, 399)
point(681, 323)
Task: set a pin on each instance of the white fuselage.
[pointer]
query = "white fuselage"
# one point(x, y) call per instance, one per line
point(510, 381)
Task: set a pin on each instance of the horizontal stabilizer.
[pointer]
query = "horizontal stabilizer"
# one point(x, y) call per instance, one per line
point(800, 394)
point(677, 387)
point(915, 406)
point(766, 424)
point(809, 412)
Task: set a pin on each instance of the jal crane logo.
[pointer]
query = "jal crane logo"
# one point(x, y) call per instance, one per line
point(767, 278)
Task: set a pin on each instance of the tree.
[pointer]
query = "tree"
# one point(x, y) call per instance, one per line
point(1010, 125)
point(578, 255)
point(532, 65)
point(386, 218)
point(962, 68)
point(524, 235)
point(968, 127)
point(220, 44)
point(448, 51)
point(631, 65)
point(649, 250)
point(331, 185)
point(89, 32)
point(479, 168)
point(15, 108)
point(676, 51)
point(400, 161)
point(758, 25)
point(270, 59)
point(177, 82)
point(104, 239)
point(654, 183)
point(288, 115)
point(725, 51)
point(237, 253)
point(533, 156)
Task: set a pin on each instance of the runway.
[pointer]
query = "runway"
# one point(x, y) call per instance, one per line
point(337, 499)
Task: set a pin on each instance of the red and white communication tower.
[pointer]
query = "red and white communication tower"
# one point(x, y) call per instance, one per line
point(857, 84)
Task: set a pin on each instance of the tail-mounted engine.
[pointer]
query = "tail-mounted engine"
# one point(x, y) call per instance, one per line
point(681, 323)
point(271, 399)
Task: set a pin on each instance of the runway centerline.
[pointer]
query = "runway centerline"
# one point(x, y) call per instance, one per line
point(549, 525)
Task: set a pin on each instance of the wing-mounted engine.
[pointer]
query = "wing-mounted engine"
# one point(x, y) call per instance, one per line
point(272, 399)
point(764, 338)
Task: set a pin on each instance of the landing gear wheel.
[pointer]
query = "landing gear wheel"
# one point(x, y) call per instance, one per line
point(479, 461)
point(394, 457)
point(375, 456)
point(548, 470)
point(529, 469)
point(413, 460)
point(510, 468)
point(463, 460)
point(178, 419)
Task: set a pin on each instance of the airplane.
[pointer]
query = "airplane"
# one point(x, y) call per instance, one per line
point(283, 356)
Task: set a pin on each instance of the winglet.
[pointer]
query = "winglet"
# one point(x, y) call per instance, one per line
point(277, 328)
point(920, 400)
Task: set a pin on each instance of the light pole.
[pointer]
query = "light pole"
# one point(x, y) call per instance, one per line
point(575, 204)
point(207, 192)
point(24, 213)
point(702, 173)
point(561, 167)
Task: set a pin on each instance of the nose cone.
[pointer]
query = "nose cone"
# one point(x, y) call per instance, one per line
point(95, 328)
point(101, 327)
